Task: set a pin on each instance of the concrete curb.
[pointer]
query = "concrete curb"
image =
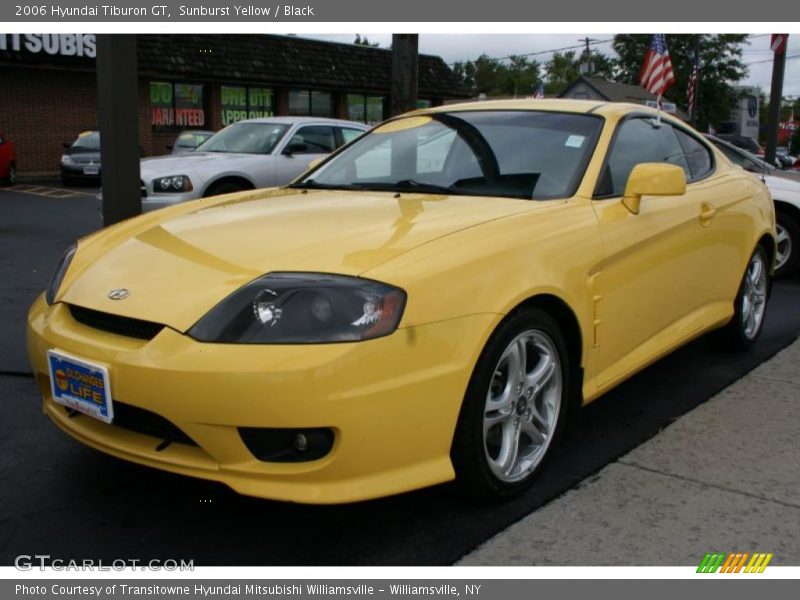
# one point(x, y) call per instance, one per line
point(725, 477)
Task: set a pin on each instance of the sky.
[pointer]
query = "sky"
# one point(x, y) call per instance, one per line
point(453, 47)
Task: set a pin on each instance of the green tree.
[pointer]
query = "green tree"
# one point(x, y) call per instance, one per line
point(364, 41)
point(719, 65)
point(565, 67)
point(515, 76)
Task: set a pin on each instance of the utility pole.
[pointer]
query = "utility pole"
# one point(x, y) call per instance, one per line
point(587, 40)
point(405, 63)
point(778, 46)
point(118, 118)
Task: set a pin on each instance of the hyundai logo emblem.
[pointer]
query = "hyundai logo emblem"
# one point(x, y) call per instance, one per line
point(119, 294)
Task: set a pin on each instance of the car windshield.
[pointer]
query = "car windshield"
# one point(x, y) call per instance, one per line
point(88, 140)
point(192, 139)
point(246, 138)
point(515, 154)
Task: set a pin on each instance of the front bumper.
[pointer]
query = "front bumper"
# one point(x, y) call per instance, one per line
point(155, 201)
point(75, 171)
point(392, 403)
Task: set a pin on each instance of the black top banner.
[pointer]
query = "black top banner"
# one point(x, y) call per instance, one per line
point(187, 11)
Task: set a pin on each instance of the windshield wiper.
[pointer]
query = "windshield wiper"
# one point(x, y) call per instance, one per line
point(310, 184)
point(410, 185)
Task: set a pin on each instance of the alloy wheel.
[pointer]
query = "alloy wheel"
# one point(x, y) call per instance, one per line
point(754, 296)
point(784, 247)
point(522, 406)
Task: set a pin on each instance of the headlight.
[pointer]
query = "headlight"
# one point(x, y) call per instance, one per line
point(303, 308)
point(66, 159)
point(173, 183)
point(58, 275)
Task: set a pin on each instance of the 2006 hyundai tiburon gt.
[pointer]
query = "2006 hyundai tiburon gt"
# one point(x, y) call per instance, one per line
point(430, 303)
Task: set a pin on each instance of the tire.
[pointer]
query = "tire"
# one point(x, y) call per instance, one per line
point(750, 306)
point(11, 178)
point(787, 259)
point(223, 187)
point(508, 426)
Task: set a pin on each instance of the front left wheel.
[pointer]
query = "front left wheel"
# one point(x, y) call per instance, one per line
point(515, 406)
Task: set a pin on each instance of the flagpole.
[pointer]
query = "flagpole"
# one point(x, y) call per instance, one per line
point(658, 109)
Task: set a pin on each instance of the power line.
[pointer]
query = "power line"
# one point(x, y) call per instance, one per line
point(758, 62)
point(540, 52)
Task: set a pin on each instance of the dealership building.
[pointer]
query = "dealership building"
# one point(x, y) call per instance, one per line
point(48, 89)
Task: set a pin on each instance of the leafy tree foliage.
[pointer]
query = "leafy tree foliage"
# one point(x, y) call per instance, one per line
point(364, 41)
point(720, 62)
point(515, 76)
point(564, 68)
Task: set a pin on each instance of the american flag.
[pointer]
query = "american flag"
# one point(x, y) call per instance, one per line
point(656, 74)
point(778, 43)
point(692, 88)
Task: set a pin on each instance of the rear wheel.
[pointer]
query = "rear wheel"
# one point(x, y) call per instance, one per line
point(515, 406)
point(787, 254)
point(11, 177)
point(750, 305)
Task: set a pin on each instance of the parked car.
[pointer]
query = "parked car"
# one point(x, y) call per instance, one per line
point(250, 154)
point(188, 141)
point(81, 159)
point(785, 190)
point(785, 160)
point(8, 160)
point(437, 300)
point(743, 142)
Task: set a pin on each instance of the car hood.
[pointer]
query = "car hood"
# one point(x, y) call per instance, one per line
point(177, 266)
point(190, 162)
point(83, 154)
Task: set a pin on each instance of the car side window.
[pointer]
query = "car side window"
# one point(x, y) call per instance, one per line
point(697, 155)
point(348, 135)
point(314, 139)
point(639, 140)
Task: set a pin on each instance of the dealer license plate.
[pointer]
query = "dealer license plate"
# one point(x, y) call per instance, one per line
point(81, 385)
point(91, 170)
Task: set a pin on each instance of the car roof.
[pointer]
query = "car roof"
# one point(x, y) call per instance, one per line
point(599, 107)
point(293, 120)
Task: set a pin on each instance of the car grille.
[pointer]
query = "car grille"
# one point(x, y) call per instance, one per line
point(126, 326)
point(140, 420)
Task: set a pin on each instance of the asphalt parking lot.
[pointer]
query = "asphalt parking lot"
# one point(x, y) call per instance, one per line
point(60, 498)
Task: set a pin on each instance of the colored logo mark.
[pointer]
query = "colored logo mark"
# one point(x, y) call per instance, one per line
point(734, 562)
point(61, 380)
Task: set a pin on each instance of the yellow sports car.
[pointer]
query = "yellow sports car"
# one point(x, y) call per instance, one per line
point(433, 302)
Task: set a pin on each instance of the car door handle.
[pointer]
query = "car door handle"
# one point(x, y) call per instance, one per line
point(707, 213)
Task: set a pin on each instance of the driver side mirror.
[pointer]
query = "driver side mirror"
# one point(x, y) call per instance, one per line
point(653, 179)
point(295, 147)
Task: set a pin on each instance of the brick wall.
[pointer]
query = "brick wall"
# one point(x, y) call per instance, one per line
point(42, 109)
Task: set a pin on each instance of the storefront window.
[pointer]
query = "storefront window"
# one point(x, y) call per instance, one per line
point(176, 105)
point(305, 102)
point(240, 103)
point(367, 109)
point(321, 104)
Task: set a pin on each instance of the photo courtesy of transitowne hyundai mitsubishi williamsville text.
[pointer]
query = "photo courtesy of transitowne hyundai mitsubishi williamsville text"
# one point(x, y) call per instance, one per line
point(434, 301)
